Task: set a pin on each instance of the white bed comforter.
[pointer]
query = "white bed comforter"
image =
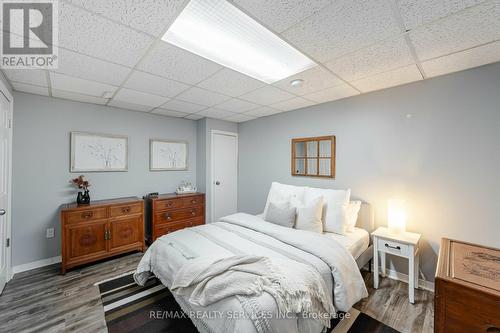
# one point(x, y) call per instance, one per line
point(241, 234)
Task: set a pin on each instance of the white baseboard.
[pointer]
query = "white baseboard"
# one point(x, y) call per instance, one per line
point(422, 284)
point(36, 264)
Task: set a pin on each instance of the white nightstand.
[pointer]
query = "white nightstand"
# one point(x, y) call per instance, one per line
point(403, 245)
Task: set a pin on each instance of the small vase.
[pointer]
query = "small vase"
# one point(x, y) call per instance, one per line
point(86, 197)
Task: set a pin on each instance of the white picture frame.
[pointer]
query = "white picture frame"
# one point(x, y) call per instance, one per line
point(168, 155)
point(96, 152)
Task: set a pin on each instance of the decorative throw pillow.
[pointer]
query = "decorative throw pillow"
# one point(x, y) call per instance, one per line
point(335, 205)
point(352, 214)
point(309, 216)
point(282, 192)
point(281, 213)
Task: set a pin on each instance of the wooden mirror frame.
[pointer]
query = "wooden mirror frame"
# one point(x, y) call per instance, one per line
point(318, 157)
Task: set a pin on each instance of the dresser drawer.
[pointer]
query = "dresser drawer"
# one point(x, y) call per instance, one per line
point(178, 214)
point(123, 210)
point(167, 204)
point(392, 247)
point(86, 215)
point(171, 227)
point(193, 201)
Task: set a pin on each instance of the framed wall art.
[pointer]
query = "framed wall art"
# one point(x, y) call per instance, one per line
point(168, 155)
point(93, 152)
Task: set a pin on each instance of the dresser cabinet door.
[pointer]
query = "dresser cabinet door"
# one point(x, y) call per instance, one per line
point(86, 239)
point(125, 232)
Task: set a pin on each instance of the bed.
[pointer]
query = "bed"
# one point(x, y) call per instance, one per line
point(336, 258)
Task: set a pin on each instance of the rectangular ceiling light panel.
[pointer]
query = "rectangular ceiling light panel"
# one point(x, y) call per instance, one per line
point(216, 30)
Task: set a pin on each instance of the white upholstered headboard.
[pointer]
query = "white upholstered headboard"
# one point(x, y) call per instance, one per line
point(366, 218)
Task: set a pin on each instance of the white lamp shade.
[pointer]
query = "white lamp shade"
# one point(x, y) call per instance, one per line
point(396, 216)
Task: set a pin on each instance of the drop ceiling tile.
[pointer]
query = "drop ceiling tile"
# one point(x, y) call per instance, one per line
point(153, 84)
point(331, 94)
point(150, 16)
point(475, 57)
point(78, 97)
point(263, 111)
point(89, 68)
point(130, 106)
point(29, 88)
point(279, 15)
point(231, 83)
point(315, 79)
point(372, 60)
point(177, 64)
point(80, 86)
point(169, 113)
point(91, 34)
point(267, 95)
point(343, 27)
point(237, 105)
point(292, 104)
point(194, 116)
point(215, 113)
point(473, 27)
point(181, 106)
point(202, 96)
point(239, 118)
point(29, 76)
point(419, 12)
point(389, 79)
point(139, 98)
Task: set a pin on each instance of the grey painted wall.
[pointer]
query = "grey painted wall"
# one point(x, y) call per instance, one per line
point(435, 143)
point(41, 164)
point(204, 167)
point(5, 82)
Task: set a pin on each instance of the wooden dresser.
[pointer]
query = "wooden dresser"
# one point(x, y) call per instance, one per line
point(101, 229)
point(467, 295)
point(171, 212)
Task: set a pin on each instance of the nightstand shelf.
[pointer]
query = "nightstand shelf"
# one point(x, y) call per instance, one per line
point(404, 245)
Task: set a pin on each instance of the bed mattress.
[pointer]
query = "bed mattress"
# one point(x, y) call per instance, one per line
point(356, 242)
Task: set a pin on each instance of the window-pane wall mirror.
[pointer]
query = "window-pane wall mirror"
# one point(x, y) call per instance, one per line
point(314, 157)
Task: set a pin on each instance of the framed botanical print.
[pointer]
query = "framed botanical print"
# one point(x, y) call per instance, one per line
point(168, 155)
point(93, 152)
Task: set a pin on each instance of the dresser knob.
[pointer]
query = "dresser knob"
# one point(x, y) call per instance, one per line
point(168, 216)
point(125, 210)
point(193, 212)
point(87, 215)
point(193, 201)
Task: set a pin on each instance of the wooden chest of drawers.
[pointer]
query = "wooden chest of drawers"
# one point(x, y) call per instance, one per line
point(467, 295)
point(171, 212)
point(100, 230)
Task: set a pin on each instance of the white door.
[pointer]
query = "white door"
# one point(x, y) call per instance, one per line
point(5, 157)
point(224, 174)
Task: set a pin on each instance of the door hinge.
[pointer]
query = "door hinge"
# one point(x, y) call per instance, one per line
point(7, 242)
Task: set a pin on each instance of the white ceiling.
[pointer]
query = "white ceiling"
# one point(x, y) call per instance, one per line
point(114, 47)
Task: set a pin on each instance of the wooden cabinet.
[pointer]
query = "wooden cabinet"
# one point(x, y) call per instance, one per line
point(467, 295)
point(100, 230)
point(172, 212)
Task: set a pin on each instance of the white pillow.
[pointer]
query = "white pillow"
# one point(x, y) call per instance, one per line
point(309, 216)
point(335, 204)
point(281, 213)
point(281, 192)
point(352, 214)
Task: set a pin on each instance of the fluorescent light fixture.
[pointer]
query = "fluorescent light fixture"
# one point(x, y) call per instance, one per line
point(216, 30)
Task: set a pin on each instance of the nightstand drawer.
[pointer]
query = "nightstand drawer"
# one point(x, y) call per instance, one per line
point(393, 247)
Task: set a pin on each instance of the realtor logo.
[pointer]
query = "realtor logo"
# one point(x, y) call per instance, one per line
point(29, 34)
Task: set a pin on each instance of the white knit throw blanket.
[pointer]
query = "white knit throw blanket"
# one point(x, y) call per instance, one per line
point(296, 287)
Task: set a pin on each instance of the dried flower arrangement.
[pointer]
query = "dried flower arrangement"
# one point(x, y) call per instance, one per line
point(81, 183)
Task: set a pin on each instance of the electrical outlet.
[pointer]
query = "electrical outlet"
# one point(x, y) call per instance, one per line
point(50, 232)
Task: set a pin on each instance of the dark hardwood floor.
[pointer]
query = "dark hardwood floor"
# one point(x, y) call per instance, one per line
point(42, 300)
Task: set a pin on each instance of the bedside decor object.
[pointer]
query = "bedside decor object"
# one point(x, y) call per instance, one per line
point(403, 245)
point(170, 212)
point(185, 188)
point(168, 155)
point(314, 157)
point(396, 216)
point(92, 152)
point(81, 184)
point(100, 230)
point(467, 292)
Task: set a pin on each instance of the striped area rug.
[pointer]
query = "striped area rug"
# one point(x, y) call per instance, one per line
point(131, 308)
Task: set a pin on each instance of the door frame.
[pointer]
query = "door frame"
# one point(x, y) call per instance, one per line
point(8, 95)
point(212, 167)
